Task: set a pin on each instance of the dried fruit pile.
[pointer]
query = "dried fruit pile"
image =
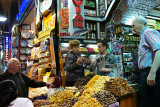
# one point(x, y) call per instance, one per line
point(99, 84)
point(104, 97)
point(69, 102)
point(118, 86)
point(87, 101)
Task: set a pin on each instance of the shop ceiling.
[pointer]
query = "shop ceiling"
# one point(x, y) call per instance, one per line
point(145, 8)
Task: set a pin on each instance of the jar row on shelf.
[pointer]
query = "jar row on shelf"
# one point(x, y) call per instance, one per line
point(89, 3)
point(129, 45)
point(46, 65)
point(90, 26)
point(45, 54)
point(90, 12)
point(45, 60)
point(131, 38)
point(91, 36)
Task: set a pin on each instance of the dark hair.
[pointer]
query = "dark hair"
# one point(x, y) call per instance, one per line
point(104, 43)
point(7, 92)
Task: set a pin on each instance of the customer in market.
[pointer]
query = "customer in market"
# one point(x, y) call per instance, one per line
point(22, 81)
point(103, 59)
point(74, 63)
point(8, 96)
point(148, 63)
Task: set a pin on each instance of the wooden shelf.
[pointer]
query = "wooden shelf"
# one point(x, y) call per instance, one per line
point(45, 67)
point(41, 63)
point(44, 57)
point(45, 51)
point(46, 12)
point(90, 16)
point(89, 7)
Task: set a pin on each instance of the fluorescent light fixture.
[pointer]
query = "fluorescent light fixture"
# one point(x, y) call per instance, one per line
point(92, 46)
point(129, 21)
point(152, 17)
point(130, 34)
point(3, 19)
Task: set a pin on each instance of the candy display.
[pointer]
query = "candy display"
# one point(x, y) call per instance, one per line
point(99, 84)
point(99, 92)
point(118, 86)
point(40, 103)
point(69, 102)
point(82, 81)
point(71, 89)
point(87, 101)
point(91, 83)
point(88, 92)
point(36, 92)
point(62, 97)
point(104, 97)
point(52, 97)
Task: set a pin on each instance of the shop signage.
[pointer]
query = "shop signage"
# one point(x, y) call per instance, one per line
point(48, 25)
point(65, 34)
point(22, 9)
point(78, 19)
point(6, 48)
point(45, 5)
point(64, 12)
point(49, 22)
point(43, 35)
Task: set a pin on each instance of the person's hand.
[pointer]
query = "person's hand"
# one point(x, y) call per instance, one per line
point(49, 85)
point(105, 70)
point(151, 78)
point(87, 61)
point(79, 60)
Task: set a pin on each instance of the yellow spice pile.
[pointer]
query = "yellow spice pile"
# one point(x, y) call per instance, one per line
point(87, 101)
point(91, 83)
point(99, 84)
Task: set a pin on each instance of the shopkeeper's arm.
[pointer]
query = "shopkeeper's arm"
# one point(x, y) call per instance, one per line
point(152, 74)
point(93, 65)
point(34, 84)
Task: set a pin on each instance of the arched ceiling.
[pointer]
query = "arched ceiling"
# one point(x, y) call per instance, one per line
point(133, 8)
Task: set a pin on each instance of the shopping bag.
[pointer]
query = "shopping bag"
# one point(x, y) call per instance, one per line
point(50, 91)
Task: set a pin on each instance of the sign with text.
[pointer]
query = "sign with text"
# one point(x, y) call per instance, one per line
point(49, 21)
point(64, 12)
point(48, 25)
point(43, 35)
point(78, 19)
point(6, 48)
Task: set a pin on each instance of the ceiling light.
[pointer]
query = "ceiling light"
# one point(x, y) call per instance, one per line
point(3, 19)
point(152, 17)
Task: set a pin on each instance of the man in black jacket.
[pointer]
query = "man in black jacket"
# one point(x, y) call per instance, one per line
point(23, 82)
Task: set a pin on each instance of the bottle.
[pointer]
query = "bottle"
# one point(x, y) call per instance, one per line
point(91, 27)
point(87, 26)
point(94, 27)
